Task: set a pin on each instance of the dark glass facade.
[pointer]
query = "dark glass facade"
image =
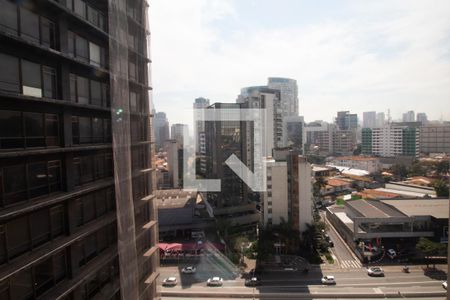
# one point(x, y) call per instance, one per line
point(58, 209)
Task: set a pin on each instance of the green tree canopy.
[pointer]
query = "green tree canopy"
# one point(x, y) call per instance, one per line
point(441, 188)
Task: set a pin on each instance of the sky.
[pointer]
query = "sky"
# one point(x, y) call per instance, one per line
point(345, 55)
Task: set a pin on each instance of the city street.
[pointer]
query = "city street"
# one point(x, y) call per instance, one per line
point(343, 255)
point(355, 281)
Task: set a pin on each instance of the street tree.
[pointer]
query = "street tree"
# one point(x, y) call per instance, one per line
point(441, 188)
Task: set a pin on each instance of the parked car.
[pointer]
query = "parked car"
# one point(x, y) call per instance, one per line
point(188, 270)
point(254, 281)
point(214, 281)
point(391, 253)
point(329, 279)
point(375, 271)
point(444, 284)
point(170, 281)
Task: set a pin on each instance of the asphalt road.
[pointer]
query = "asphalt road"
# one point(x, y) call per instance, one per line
point(340, 249)
point(355, 281)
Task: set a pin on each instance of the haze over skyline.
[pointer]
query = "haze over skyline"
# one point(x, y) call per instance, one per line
point(345, 55)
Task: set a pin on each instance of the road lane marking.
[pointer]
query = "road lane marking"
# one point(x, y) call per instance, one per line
point(377, 291)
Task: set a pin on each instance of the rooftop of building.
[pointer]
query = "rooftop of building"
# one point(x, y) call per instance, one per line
point(175, 198)
point(437, 208)
point(376, 194)
point(337, 182)
point(350, 171)
point(321, 168)
point(356, 158)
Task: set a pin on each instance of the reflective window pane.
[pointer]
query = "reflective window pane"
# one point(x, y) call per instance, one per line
point(31, 79)
point(49, 75)
point(82, 90)
point(29, 25)
point(10, 129)
point(48, 33)
point(9, 81)
point(8, 17)
point(81, 48)
point(96, 93)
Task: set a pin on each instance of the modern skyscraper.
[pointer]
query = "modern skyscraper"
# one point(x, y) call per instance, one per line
point(223, 139)
point(369, 119)
point(380, 119)
point(294, 126)
point(199, 127)
point(288, 94)
point(409, 116)
point(346, 121)
point(288, 105)
point(76, 177)
point(161, 129)
point(422, 117)
point(267, 99)
point(173, 162)
point(177, 131)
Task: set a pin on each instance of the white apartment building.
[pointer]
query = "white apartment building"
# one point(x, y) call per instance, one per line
point(289, 192)
point(387, 141)
point(275, 206)
point(395, 139)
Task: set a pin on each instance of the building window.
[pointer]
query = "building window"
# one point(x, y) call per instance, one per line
point(85, 91)
point(94, 54)
point(86, 168)
point(35, 281)
point(49, 78)
point(9, 81)
point(40, 130)
point(82, 90)
point(48, 33)
point(89, 246)
point(134, 102)
point(31, 79)
point(87, 130)
point(8, 17)
point(43, 178)
point(93, 16)
point(96, 93)
point(85, 50)
point(81, 48)
point(79, 7)
point(29, 25)
point(132, 71)
point(94, 205)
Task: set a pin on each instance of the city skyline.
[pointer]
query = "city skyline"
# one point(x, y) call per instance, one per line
point(384, 56)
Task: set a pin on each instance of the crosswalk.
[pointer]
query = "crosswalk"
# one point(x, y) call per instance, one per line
point(350, 264)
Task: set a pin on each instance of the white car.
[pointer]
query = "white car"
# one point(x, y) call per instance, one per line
point(375, 271)
point(170, 281)
point(214, 281)
point(391, 253)
point(188, 270)
point(328, 280)
point(444, 284)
